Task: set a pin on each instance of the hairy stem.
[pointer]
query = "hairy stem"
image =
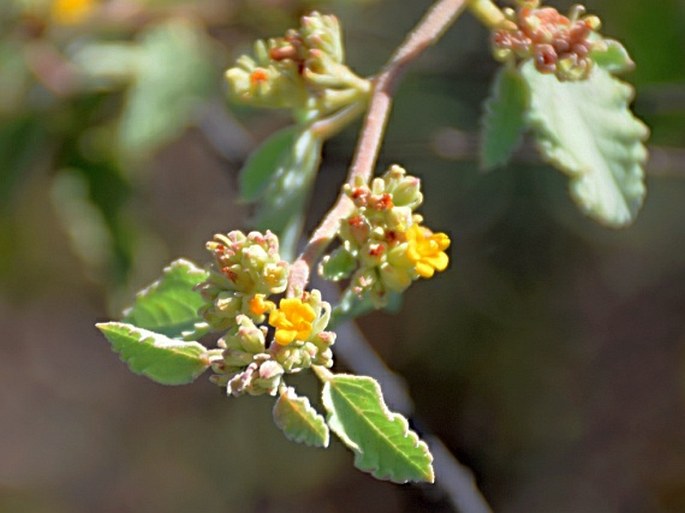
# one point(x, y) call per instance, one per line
point(441, 15)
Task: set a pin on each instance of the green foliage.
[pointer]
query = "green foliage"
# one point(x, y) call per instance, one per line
point(381, 440)
point(264, 163)
point(299, 421)
point(586, 129)
point(162, 359)
point(287, 192)
point(612, 56)
point(338, 265)
point(172, 76)
point(169, 306)
point(504, 118)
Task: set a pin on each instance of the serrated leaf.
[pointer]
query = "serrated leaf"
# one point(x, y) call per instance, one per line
point(586, 129)
point(612, 56)
point(286, 195)
point(164, 360)
point(382, 442)
point(173, 76)
point(169, 305)
point(299, 421)
point(263, 163)
point(504, 118)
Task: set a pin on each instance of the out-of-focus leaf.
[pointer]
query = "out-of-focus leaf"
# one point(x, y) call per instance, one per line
point(108, 64)
point(164, 360)
point(263, 163)
point(173, 76)
point(286, 195)
point(169, 305)
point(504, 119)
point(381, 440)
point(21, 141)
point(14, 75)
point(612, 56)
point(586, 129)
point(90, 237)
point(299, 421)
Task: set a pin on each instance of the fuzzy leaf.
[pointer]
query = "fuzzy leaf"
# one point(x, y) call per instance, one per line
point(586, 129)
point(169, 306)
point(382, 442)
point(504, 119)
point(612, 56)
point(299, 421)
point(263, 163)
point(164, 360)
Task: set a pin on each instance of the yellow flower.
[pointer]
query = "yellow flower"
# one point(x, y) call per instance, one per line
point(259, 307)
point(427, 250)
point(69, 12)
point(292, 320)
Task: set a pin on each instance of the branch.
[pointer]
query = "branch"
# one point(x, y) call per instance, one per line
point(426, 33)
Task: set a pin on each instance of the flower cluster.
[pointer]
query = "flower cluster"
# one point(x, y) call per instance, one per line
point(247, 270)
point(304, 68)
point(558, 44)
point(383, 241)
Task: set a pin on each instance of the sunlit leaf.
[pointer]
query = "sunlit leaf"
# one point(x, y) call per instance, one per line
point(299, 421)
point(164, 360)
point(382, 442)
point(586, 129)
point(264, 162)
point(169, 306)
point(504, 118)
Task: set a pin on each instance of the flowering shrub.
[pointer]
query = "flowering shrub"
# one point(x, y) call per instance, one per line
point(557, 80)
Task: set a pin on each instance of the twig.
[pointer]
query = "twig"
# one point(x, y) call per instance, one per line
point(426, 33)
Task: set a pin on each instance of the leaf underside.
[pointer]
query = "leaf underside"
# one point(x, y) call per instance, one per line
point(162, 359)
point(169, 306)
point(504, 118)
point(287, 193)
point(263, 163)
point(299, 421)
point(382, 442)
point(586, 129)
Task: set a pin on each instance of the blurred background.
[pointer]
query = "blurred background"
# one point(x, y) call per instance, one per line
point(550, 357)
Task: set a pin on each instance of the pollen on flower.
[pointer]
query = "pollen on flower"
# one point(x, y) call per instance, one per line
point(259, 306)
point(427, 250)
point(292, 320)
point(68, 12)
point(258, 76)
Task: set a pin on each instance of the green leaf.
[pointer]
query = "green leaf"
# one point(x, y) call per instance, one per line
point(612, 56)
point(164, 360)
point(382, 442)
point(263, 163)
point(286, 195)
point(504, 119)
point(338, 265)
point(299, 421)
point(586, 129)
point(173, 76)
point(169, 306)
